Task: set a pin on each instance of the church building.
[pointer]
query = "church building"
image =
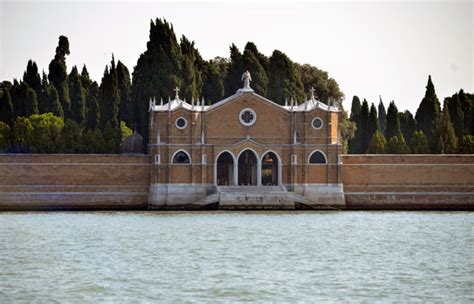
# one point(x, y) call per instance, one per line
point(244, 152)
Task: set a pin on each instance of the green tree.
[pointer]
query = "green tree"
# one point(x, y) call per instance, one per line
point(372, 124)
point(93, 111)
point(284, 81)
point(124, 131)
point(112, 138)
point(456, 114)
point(31, 102)
point(419, 143)
point(382, 116)
point(6, 107)
point(94, 141)
point(54, 105)
point(397, 144)
point(407, 124)
point(32, 78)
point(354, 142)
point(347, 129)
point(235, 69)
point(326, 88)
point(428, 112)
point(72, 137)
point(466, 145)
point(378, 144)
point(22, 130)
point(393, 121)
point(251, 61)
point(191, 80)
point(467, 104)
point(5, 137)
point(213, 74)
point(78, 96)
point(363, 127)
point(157, 73)
point(45, 135)
point(124, 88)
point(109, 96)
point(58, 75)
point(444, 136)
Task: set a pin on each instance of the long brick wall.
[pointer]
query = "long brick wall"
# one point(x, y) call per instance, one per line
point(65, 182)
point(408, 182)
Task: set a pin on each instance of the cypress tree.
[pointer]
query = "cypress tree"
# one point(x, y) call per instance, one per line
point(157, 73)
point(466, 145)
point(124, 88)
point(54, 105)
point(77, 94)
point(110, 97)
point(397, 145)
point(467, 107)
point(213, 75)
point(428, 111)
point(43, 96)
point(93, 110)
point(72, 137)
point(354, 143)
point(444, 136)
point(326, 88)
point(263, 60)
point(284, 81)
point(251, 62)
point(363, 127)
point(58, 75)
point(5, 136)
point(393, 121)
point(234, 73)
point(407, 124)
point(85, 79)
point(456, 114)
point(191, 80)
point(382, 116)
point(378, 144)
point(373, 123)
point(32, 78)
point(6, 107)
point(419, 143)
point(31, 102)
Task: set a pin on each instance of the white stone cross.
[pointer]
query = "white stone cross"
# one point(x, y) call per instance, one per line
point(177, 92)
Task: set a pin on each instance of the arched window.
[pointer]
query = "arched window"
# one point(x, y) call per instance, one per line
point(181, 157)
point(317, 157)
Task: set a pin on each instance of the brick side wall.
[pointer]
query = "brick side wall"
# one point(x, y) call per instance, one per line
point(408, 181)
point(37, 182)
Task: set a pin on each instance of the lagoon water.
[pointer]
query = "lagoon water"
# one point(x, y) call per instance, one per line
point(82, 257)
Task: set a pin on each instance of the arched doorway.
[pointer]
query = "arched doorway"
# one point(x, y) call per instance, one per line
point(225, 169)
point(247, 168)
point(270, 169)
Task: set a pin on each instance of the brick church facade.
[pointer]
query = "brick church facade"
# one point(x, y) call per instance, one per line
point(244, 151)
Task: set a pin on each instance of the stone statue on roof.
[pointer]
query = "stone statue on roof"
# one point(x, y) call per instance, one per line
point(246, 78)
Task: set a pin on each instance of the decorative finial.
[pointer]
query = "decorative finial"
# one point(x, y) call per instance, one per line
point(177, 93)
point(286, 102)
point(246, 79)
point(161, 101)
point(202, 102)
point(192, 103)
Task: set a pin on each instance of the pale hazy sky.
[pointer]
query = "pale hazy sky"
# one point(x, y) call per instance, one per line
point(373, 48)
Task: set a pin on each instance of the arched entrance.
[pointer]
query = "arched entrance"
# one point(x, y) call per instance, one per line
point(225, 169)
point(270, 169)
point(247, 168)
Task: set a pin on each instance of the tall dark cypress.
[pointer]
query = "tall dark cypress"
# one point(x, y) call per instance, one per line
point(233, 78)
point(6, 107)
point(109, 97)
point(382, 116)
point(78, 96)
point(124, 88)
point(456, 114)
point(354, 143)
point(251, 62)
point(93, 111)
point(373, 123)
point(393, 121)
point(32, 77)
point(284, 80)
point(363, 127)
point(58, 75)
point(407, 124)
point(428, 111)
point(191, 78)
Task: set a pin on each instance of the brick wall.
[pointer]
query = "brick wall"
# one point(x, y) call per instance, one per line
point(55, 181)
point(408, 181)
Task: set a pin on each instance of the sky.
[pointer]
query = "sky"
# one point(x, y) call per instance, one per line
point(372, 49)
